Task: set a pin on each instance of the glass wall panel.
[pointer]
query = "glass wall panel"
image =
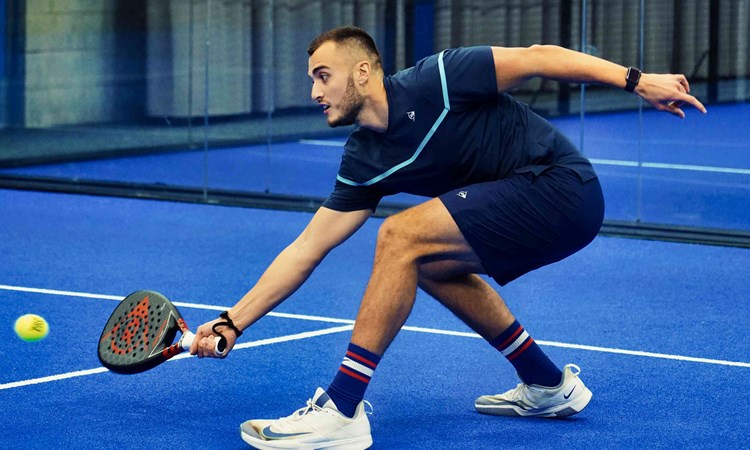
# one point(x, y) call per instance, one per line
point(305, 151)
point(695, 171)
point(656, 168)
point(212, 96)
point(611, 125)
point(102, 91)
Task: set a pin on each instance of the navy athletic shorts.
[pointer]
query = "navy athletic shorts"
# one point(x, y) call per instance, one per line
point(526, 221)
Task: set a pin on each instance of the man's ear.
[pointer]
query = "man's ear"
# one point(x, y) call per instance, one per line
point(362, 72)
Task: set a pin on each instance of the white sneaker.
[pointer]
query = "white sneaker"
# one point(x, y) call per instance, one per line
point(317, 425)
point(531, 400)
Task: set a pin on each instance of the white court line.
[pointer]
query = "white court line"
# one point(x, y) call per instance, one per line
point(56, 292)
point(322, 142)
point(181, 304)
point(258, 343)
point(412, 328)
point(646, 354)
point(592, 348)
point(606, 162)
point(653, 165)
point(62, 376)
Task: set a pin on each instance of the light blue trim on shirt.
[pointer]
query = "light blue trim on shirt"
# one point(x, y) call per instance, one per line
point(424, 142)
point(443, 82)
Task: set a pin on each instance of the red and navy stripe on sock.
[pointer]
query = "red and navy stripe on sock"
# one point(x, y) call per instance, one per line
point(350, 383)
point(532, 365)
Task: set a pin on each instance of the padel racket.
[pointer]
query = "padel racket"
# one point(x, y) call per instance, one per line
point(138, 335)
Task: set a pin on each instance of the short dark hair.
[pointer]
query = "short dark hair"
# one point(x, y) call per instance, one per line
point(348, 36)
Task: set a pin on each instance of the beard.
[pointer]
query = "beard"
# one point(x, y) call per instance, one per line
point(351, 106)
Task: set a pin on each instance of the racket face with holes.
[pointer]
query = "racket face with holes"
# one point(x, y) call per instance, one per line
point(138, 332)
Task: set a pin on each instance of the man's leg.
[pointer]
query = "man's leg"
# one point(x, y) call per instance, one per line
point(406, 241)
point(336, 416)
point(423, 246)
point(475, 302)
point(467, 296)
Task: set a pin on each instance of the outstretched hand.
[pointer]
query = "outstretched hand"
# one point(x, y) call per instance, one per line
point(667, 92)
point(204, 344)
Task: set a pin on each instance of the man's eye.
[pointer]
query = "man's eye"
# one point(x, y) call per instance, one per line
point(324, 76)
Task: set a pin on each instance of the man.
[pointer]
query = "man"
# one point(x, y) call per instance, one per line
point(509, 194)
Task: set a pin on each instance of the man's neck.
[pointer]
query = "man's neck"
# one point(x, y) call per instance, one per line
point(375, 113)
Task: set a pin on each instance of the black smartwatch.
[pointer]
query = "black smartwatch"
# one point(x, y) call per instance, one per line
point(634, 76)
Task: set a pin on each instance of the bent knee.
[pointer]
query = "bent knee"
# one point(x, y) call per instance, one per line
point(392, 228)
point(394, 233)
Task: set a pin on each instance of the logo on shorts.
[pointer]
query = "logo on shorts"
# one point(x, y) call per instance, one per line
point(463, 194)
point(411, 115)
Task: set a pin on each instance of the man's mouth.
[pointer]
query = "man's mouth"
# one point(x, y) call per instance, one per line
point(325, 109)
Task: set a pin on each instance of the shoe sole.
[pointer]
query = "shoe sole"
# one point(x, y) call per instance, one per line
point(255, 441)
point(558, 411)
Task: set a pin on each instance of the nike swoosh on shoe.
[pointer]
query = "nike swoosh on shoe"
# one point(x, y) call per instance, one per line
point(270, 434)
point(570, 393)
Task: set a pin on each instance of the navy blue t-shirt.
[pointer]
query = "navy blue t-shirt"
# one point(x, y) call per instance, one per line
point(448, 128)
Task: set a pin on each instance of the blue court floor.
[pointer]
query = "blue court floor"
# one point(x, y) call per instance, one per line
point(660, 331)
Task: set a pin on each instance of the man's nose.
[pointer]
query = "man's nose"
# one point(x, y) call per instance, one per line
point(315, 93)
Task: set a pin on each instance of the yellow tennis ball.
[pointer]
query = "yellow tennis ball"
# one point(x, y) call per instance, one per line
point(31, 328)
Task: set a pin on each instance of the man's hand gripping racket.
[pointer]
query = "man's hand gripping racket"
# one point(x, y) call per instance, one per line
point(138, 335)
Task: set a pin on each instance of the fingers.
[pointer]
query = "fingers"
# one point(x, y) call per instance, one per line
point(194, 347)
point(207, 348)
point(696, 104)
point(206, 341)
point(675, 106)
point(669, 93)
point(684, 83)
point(684, 88)
point(204, 344)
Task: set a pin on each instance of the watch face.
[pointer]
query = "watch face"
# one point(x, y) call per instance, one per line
point(634, 75)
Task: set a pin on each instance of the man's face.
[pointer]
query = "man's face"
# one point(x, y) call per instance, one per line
point(333, 86)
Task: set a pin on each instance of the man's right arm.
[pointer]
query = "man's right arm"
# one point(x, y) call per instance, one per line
point(289, 270)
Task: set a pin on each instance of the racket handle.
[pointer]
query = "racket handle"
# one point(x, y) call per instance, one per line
point(188, 337)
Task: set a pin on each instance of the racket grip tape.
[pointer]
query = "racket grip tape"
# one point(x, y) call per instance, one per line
point(188, 337)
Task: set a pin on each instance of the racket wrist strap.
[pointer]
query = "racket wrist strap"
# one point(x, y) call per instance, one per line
point(227, 323)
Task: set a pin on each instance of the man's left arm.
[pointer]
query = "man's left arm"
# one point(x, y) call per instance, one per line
point(513, 66)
